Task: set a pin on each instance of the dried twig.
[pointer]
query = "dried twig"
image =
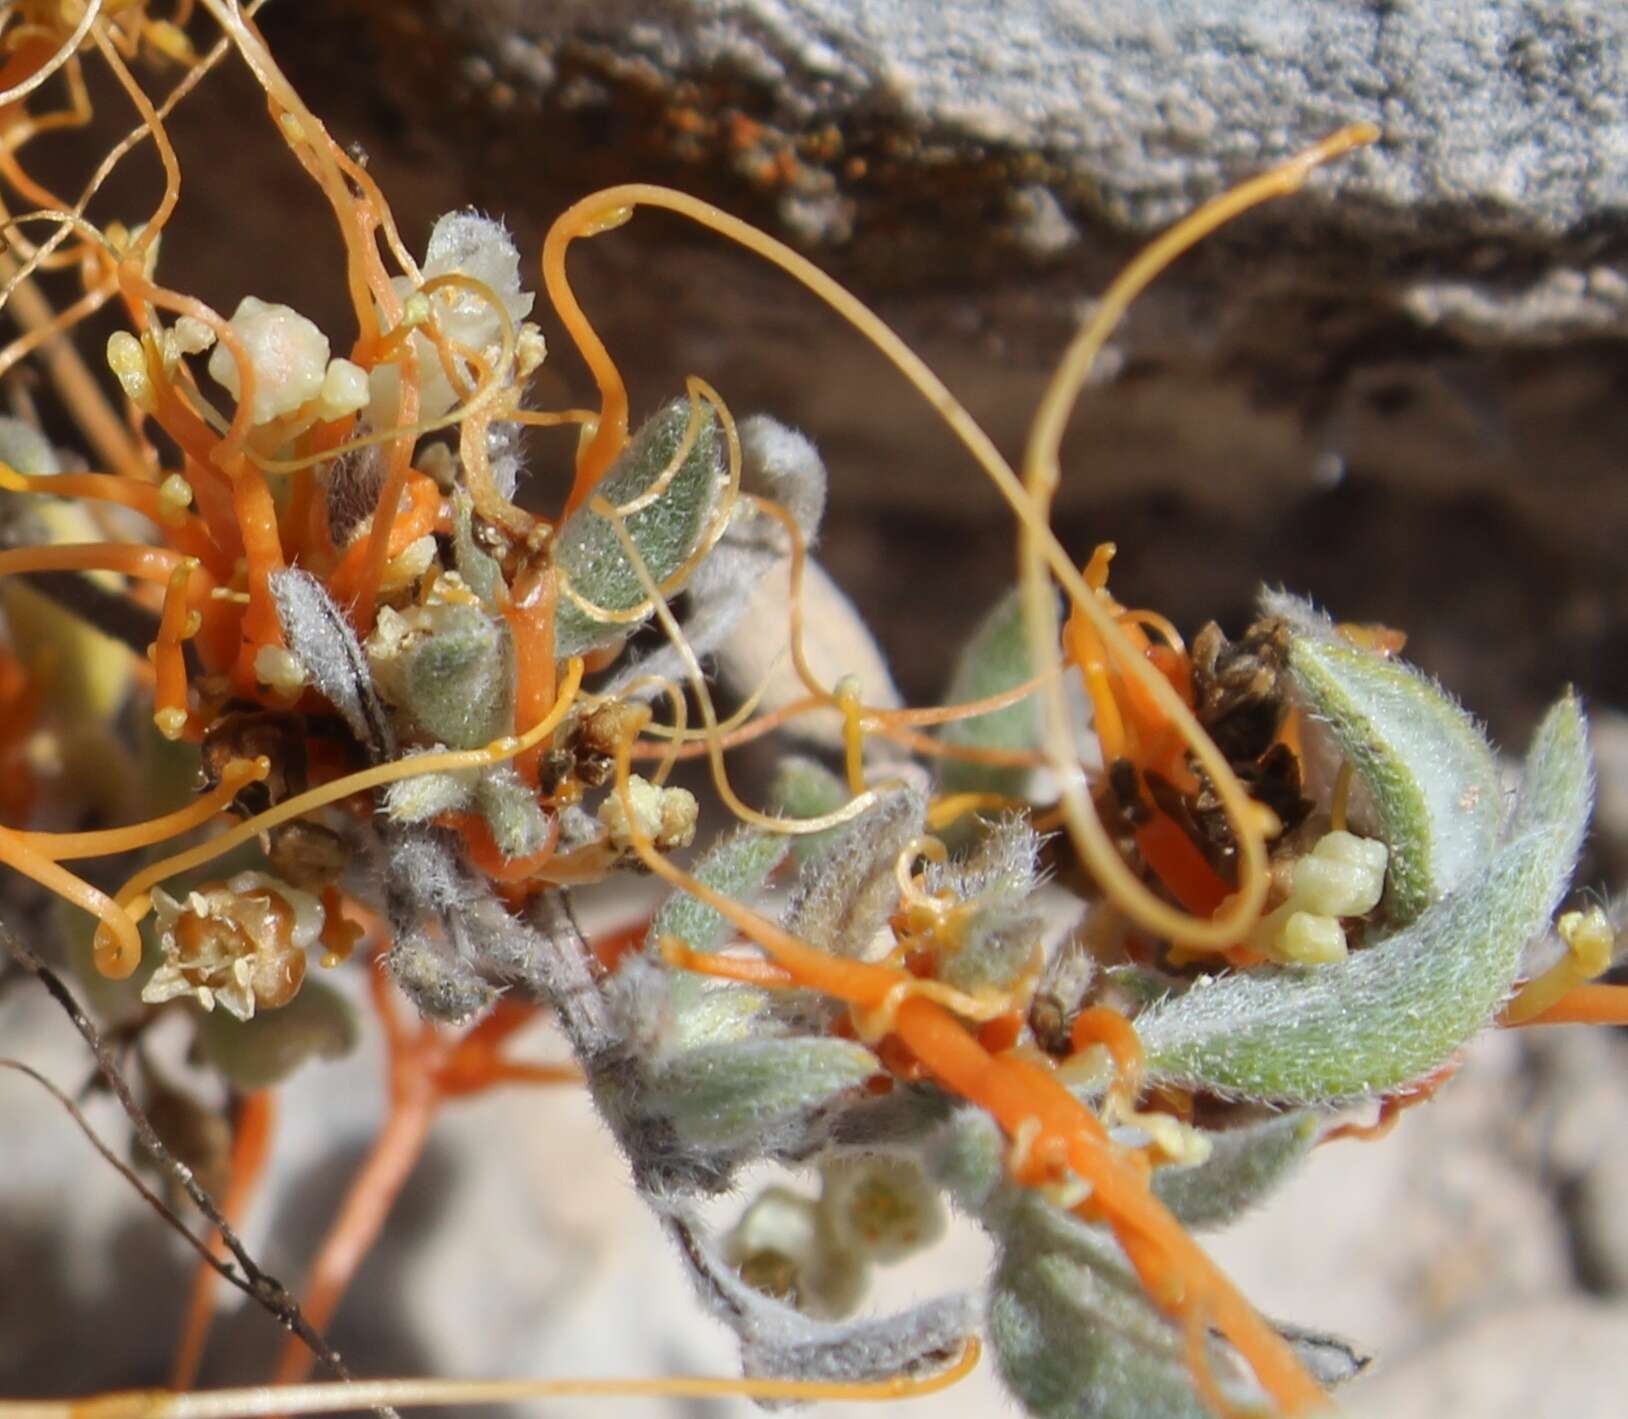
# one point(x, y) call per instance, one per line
point(265, 1290)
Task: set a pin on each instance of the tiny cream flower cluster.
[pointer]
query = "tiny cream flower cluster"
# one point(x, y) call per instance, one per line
point(1342, 876)
point(289, 359)
point(240, 944)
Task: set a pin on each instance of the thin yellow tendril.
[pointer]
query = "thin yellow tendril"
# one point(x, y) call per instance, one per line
point(1590, 944)
point(65, 847)
point(118, 949)
point(257, 1401)
point(1341, 802)
point(1041, 476)
point(133, 896)
point(698, 389)
point(1041, 544)
point(720, 777)
point(66, 51)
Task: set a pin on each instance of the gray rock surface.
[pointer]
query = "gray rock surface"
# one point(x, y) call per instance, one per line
point(1500, 117)
point(1398, 390)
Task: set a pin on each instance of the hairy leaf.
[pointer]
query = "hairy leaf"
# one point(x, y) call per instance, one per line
point(805, 788)
point(1074, 1332)
point(737, 1095)
point(318, 1023)
point(997, 936)
point(321, 638)
point(996, 658)
point(737, 866)
point(450, 669)
point(1244, 1165)
point(782, 465)
point(1431, 775)
point(845, 896)
point(1395, 1012)
point(480, 572)
point(509, 804)
point(588, 550)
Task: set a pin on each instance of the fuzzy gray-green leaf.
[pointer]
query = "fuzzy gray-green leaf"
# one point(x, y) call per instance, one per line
point(318, 1023)
point(1244, 1165)
point(1073, 1331)
point(996, 658)
point(1395, 1012)
point(480, 572)
point(706, 1011)
point(805, 788)
point(737, 866)
point(518, 823)
point(731, 1095)
point(1429, 770)
point(588, 550)
point(844, 897)
point(995, 881)
point(452, 671)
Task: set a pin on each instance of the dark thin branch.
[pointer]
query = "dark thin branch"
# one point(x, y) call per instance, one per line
point(124, 1170)
point(264, 1289)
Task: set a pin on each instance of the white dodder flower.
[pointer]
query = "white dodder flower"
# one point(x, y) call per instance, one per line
point(240, 944)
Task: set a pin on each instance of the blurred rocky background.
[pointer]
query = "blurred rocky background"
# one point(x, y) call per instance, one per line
point(1404, 391)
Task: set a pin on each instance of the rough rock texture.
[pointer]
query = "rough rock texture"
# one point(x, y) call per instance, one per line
point(1399, 390)
point(1501, 117)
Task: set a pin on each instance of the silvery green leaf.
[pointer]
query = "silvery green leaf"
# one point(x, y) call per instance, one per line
point(996, 658)
point(784, 465)
point(908, 1114)
point(450, 669)
point(1136, 986)
point(966, 1156)
point(997, 948)
point(425, 796)
point(321, 638)
point(737, 866)
point(1429, 771)
point(509, 805)
point(588, 551)
point(1002, 863)
point(1557, 786)
point(805, 788)
point(741, 1094)
point(994, 881)
point(318, 1023)
point(480, 572)
point(699, 1010)
point(1395, 1012)
point(1074, 1332)
point(693, 1011)
point(1245, 1164)
point(844, 897)
point(780, 464)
